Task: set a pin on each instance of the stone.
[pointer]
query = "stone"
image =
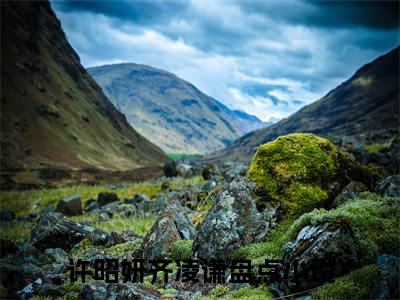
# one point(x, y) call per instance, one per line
point(386, 283)
point(54, 230)
point(208, 171)
point(120, 291)
point(389, 186)
point(7, 247)
point(185, 170)
point(41, 288)
point(349, 192)
point(70, 206)
point(318, 247)
point(170, 169)
point(231, 223)
point(232, 171)
point(106, 198)
point(7, 215)
point(171, 226)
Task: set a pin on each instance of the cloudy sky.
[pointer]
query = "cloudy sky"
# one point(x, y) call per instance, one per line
point(268, 58)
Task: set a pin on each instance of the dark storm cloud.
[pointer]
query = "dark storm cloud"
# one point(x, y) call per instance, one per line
point(339, 14)
point(138, 11)
point(268, 58)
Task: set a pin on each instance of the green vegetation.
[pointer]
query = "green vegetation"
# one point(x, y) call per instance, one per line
point(376, 148)
point(248, 293)
point(271, 249)
point(355, 285)
point(178, 156)
point(182, 250)
point(137, 225)
point(373, 219)
point(302, 163)
point(17, 231)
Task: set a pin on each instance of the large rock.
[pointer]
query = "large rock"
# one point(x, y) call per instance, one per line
point(386, 283)
point(171, 226)
point(54, 230)
point(323, 252)
point(185, 170)
point(302, 172)
point(349, 192)
point(70, 206)
point(232, 222)
point(389, 186)
point(170, 169)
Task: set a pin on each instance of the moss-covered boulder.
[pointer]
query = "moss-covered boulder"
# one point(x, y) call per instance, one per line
point(350, 236)
point(301, 172)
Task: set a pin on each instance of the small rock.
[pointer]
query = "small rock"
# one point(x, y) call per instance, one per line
point(70, 206)
point(7, 247)
point(389, 186)
point(7, 215)
point(106, 198)
point(349, 192)
point(386, 283)
point(185, 170)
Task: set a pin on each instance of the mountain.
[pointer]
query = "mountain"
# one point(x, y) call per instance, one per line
point(243, 120)
point(53, 114)
point(366, 105)
point(169, 111)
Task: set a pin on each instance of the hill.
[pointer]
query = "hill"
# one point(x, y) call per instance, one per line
point(366, 106)
point(169, 111)
point(53, 114)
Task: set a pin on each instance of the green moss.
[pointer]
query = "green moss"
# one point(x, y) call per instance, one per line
point(373, 219)
point(119, 250)
point(376, 148)
point(248, 293)
point(182, 250)
point(303, 197)
point(271, 249)
point(355, 285)
point(251, 293)
point(294, 170)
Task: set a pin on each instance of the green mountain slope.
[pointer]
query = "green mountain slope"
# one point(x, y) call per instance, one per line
point(52, 112)
point(167, 110)
point(367, 105)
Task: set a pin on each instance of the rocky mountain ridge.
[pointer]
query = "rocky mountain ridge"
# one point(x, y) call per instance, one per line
point(366, 106)
point(169, 111)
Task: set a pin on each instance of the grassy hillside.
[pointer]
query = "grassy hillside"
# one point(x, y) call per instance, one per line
point(52, 113)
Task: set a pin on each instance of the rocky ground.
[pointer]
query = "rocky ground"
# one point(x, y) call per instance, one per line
point(302, 202)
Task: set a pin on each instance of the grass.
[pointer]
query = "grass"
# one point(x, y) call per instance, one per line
point(376, 148)
point(32, 201)
point(178, 156)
